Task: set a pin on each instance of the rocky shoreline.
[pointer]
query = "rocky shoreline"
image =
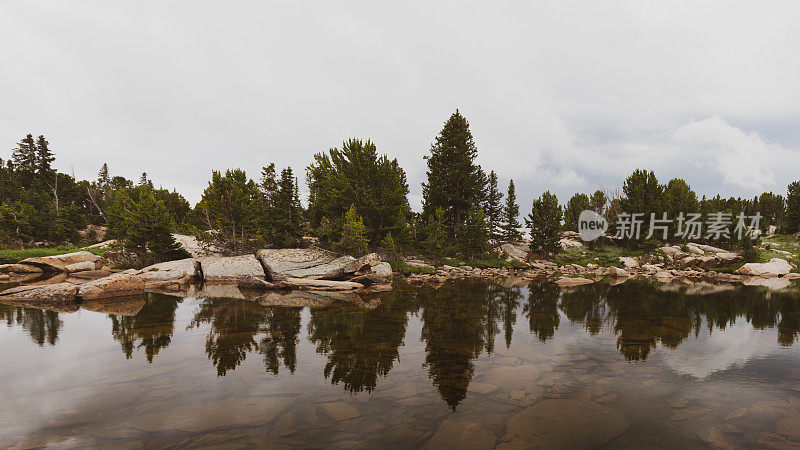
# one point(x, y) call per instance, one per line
point(83, 276)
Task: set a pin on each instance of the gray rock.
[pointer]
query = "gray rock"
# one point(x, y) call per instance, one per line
point(80, 267)
point(60, 292)
point(322, 285)
point(774, 268)
point(230, 269)
point(170, 274)
point(577, 281)
point(564, 423)
point(616, 272)
point(57, 263)
point(460, 433)
point(117, 285)
point(380, 273)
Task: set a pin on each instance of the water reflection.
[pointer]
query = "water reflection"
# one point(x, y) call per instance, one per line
point(460, 322)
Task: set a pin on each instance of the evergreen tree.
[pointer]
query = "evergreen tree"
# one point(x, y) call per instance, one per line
point(510, 222)
point(436, 240)
point(544, 222)
point(103, 177)
point(148, 238)
point(598, 202)
point(118, 212)
point(575, 205)
point(643, 194)
point(473, 235)
point(354, 240)
point(227, 210)
point(24, 157)
point(44, 159)
point(356, 175)
point(793, 208)
point(287, 212)
point(455, 182)
point(493, 206)
point(389, 247)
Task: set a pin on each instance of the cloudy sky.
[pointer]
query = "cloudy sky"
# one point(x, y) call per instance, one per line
point(567, 96)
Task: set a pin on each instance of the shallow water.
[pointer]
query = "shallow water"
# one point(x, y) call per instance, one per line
point(469, 364)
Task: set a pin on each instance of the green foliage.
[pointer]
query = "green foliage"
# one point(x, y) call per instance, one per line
point(10, 256)
point(572, 211)
point(493, 207)
point(454, 182)
point(473, 236)
point(437, 243)
point(227, 207)
point(597, 202)
point(356, 176)
point(793, 208)
point(544, 222)
point(642, 194)
point(510, 223)
point(148, 238)
point(389, 247)
point(401, 267)
point(354, 240)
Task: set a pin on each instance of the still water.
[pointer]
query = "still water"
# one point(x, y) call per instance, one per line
point(470, 364)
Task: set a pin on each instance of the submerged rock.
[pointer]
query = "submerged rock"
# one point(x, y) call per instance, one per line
point(568, 423)
point(577, 281)
point(460, 433)
point(322, 285)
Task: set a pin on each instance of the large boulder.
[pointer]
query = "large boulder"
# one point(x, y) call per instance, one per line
point(380, 273)
point(171, 274)
point(193, 246)
point(59, 292)
point(312, 263)
point(80, 267)
point(58, 263)
point(774, 268)
point(117, 285)
point(516, 250)
point(231, 269)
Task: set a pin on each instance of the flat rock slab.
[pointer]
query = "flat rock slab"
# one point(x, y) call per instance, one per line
point(577, 281)
point(57, 263)
point(19, 268)
point(564, 423)
point(459, 433)
point(58, 292)
point(230, 269)
point(118, 285)
point(315, 264)
point(80, 267)
point(179, 272)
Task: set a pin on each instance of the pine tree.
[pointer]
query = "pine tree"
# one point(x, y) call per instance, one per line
point(455, 182)
point(598, 202)
point(510, 222)
point(103, 177)
point(44, 159)
point(287, 211)
point(389, 247)
point(572, 211)
point(436, 240)
point(544, 222)
point(473, 235)
point(149, 239)
point(24, 157)
point(793, 208)
point(354, 240)
point(227, 211)
point(493, 206)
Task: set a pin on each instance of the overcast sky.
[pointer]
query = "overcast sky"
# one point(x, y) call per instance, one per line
point(566, 96)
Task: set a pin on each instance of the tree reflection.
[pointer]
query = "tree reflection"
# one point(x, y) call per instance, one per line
point(542, 310)
point(361, 344)
point(238, 327)
point(150, 329)
point(42, 325)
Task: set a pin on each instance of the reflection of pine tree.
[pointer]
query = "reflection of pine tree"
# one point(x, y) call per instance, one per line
point(235, 325)
point(542, 310)
point(585, 305)
point(361, 344)
point(280, 343)
point(458, 325)
point(42, 325)
point(508, 299)
point(150, 329)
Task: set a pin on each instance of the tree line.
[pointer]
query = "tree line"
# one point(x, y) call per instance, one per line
point(358, 201)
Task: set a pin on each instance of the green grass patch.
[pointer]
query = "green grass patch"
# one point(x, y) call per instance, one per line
point(9, 256)
point(604, 255)
point(485, 263)
point(406, 269)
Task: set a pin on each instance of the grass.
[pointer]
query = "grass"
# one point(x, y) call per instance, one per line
point(494, 262)
point(604, 255)
point(8, 256)
point(406, 269)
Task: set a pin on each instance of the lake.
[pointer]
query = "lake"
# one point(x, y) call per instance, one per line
point(468, 364)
